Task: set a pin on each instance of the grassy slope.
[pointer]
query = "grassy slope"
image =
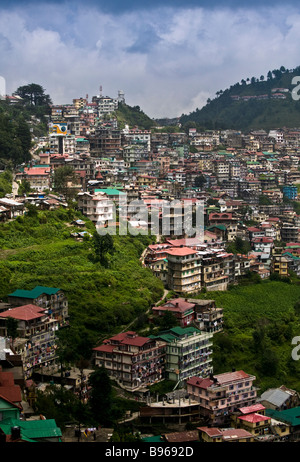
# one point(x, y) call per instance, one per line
point(100, 299)
point(267, 307)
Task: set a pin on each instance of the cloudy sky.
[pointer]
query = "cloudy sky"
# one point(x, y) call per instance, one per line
point(168, 56)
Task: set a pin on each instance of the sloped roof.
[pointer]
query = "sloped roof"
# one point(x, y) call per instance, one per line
point(289, 416)
point(24, 313)
point(34, 293)
point(275, 396)
point(254, 418)
point(32, 429)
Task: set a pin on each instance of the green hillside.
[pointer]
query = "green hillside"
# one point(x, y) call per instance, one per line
point(260, 322)
point(263, 111)
point(133, 116)
point(37, 249)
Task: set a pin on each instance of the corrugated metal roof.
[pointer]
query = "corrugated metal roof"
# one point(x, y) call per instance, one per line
point(275, 396)
point(34, 293)
point(32, 429)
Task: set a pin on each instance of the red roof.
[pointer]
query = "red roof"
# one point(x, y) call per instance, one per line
point(211, 431)
point(254, 230)
point(185, 242)
point(199, 382)
point(181, 251)
point(8, 390)
point(250, 409)
point(37, 171)
point(124, 338)
point(177, 304)
point(235, 433)
point(262, 239)
point(228, 377)
point(254, 418)
point(24, 313)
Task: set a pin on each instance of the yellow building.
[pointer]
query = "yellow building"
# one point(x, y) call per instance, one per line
point(256, 424)
point(219, 435)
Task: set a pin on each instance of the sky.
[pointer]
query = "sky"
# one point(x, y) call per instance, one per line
point(168, 57)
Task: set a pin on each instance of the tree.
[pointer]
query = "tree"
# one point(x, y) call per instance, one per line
point(102, 245)
point(12, 329)
point(200, 181)
point(101, 401)
point(24, 188)
point(23, 134)
point(63, 177)
point(34, 95)
point(60, 404)
point(168, 320)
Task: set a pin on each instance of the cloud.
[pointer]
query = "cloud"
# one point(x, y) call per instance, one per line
point(166, 60)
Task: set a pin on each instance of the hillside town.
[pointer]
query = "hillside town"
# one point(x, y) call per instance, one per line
point(247, 188)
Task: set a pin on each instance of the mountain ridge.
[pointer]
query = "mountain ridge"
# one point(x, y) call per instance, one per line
point(251, 104)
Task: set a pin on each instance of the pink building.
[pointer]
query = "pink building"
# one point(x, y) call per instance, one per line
point(223, 394)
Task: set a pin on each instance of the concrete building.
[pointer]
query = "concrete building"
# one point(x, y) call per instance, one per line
point(221, 395)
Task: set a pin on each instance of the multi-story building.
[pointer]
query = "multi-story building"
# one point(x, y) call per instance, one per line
point(138, 137)
point(38, 177)
point(280, 264)
point(213, 275)
point(184, 270)
point(289, 233)
point(98, 207)
point(181, 308)
point(37, 341)
point(171, 411)
point(50, 298)
point(221, 395)
point(208, 317)
point(105, 140)
point(188, 353)
point(132, 360)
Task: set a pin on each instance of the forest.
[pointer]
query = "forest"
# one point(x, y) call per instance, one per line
point(223, 112)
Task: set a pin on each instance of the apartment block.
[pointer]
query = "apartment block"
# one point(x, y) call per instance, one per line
point(184, 270)
point(98, 207)
point(132, 360)
point(188, 353)
point(52, 299)
point(36, 342)
point(221, 395)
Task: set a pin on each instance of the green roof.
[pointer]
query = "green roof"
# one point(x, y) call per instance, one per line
point(290, 255)
point(153, 439)
point(32, 430)
point(34, 293)
point(290, 416)
point(222, 227)
point(177, 332)
point(109, 191)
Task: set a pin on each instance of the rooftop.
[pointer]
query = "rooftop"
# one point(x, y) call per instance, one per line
point(34, 293)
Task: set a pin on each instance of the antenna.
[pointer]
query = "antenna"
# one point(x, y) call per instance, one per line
point(86, 97)
point(100, 90)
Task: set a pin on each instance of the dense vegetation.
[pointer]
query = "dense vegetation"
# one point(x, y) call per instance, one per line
point(103, 296)
point(223, 112)
point(5, 183)
point(18, 120)
point(134, 117)
point(260, 321)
